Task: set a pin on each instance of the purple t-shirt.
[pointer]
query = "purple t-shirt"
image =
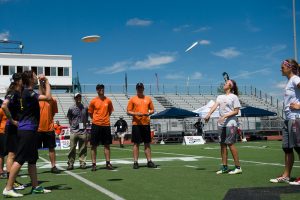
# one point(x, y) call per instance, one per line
point(30, 110)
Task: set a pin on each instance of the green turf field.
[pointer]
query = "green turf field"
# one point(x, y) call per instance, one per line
point(184, 172)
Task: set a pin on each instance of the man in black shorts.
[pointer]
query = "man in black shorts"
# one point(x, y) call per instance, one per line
point(100, 109)
point(140, 107)
point(46, 134)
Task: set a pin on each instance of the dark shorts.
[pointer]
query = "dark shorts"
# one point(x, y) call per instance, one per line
point(27, 147)
point(3, 149)
point(46, 140)
point(12, 138)
point(291, 135)
point(100, 135)
point(140, 134)
point(228, 135)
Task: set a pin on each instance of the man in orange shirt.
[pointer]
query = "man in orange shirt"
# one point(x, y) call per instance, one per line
point(100, 109)
point(57, 128)
point(3, 138)
point(46, 135)
point(140, 107)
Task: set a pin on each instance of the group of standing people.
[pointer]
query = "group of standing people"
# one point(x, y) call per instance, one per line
point(29, 117)
point(140, 107)
point(22, 109)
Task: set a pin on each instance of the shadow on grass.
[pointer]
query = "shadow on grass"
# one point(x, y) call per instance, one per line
point(115, 179)
point(53, 187)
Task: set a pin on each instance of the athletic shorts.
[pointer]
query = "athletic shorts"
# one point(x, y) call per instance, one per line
point(228, 135)
point(120, 134)
point(27, 147)
point(46, 140)
point(12, 138)
point(100, 135)
point(290, 137)
point(140, 134)
point(3, 149)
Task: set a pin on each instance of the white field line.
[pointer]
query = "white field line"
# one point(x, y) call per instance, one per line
point(89, 183)
point(215, 158)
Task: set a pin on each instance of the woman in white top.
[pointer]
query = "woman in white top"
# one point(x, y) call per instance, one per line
point(291, 131)
point(229, 107)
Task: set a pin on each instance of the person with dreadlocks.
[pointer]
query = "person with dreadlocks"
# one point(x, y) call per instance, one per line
point(290, 69)
point(11, 107)
point(229, 107)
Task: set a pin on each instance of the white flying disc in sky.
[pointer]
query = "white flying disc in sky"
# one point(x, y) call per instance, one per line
point(192, 46)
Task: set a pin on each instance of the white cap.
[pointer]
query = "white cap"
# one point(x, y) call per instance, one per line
point(77, 94)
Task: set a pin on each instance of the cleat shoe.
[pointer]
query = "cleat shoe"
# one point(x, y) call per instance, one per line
point(94, 168)
point(54, 170)
point(236, 171)
point(223, 170)
point(70, 166)
point(150, 164)
point(11, 193)
point(135, 165)
point(39, 190)
point(296, 182)
point(3, 175)
point(82, 166)
point(280, 179)
point(122, 146)
point(109, 167)
point(18, 186)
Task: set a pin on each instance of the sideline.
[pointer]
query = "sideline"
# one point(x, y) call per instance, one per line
point(89, 183)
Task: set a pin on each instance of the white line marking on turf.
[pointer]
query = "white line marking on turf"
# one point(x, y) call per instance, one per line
point(68, 174)
point(255, 162)
point(190, 166)
point(89, 183)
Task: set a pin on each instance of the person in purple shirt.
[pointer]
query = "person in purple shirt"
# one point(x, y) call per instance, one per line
point(29, 117)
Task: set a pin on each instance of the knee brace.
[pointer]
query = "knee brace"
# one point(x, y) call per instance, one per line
point(287, 150)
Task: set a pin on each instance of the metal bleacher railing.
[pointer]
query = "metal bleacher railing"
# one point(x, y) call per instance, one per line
point(187, 97)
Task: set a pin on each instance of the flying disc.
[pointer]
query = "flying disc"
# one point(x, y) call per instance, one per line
point(91, 38)
point(192, 46)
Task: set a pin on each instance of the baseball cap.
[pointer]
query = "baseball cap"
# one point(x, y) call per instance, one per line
point(16, 77)
point(139, 85)
point(99, 86)
point(77, 94)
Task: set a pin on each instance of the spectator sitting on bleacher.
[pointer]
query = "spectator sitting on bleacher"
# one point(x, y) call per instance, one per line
point(57, 128)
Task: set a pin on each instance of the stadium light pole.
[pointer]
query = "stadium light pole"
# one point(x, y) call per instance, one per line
point(295, 35)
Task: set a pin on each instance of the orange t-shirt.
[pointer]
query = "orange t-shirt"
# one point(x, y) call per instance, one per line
point(47, 112)
point(57, 129)
point(3, 119)
point(142, 105)
point(101, 111)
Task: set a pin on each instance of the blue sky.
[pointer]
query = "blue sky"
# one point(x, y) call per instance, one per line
point(248, 39)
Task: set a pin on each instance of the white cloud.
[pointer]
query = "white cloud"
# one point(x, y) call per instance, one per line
point(153, 61)
point(281, 85)
point(138, 22)
point(196, 76)
point(115, 68)
point(228, 53)
point(202, 29)
point(4, 35)
point(248, 74)
point(250, 26)
point(204, 42)
point(180, 28)
point(175, 76)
